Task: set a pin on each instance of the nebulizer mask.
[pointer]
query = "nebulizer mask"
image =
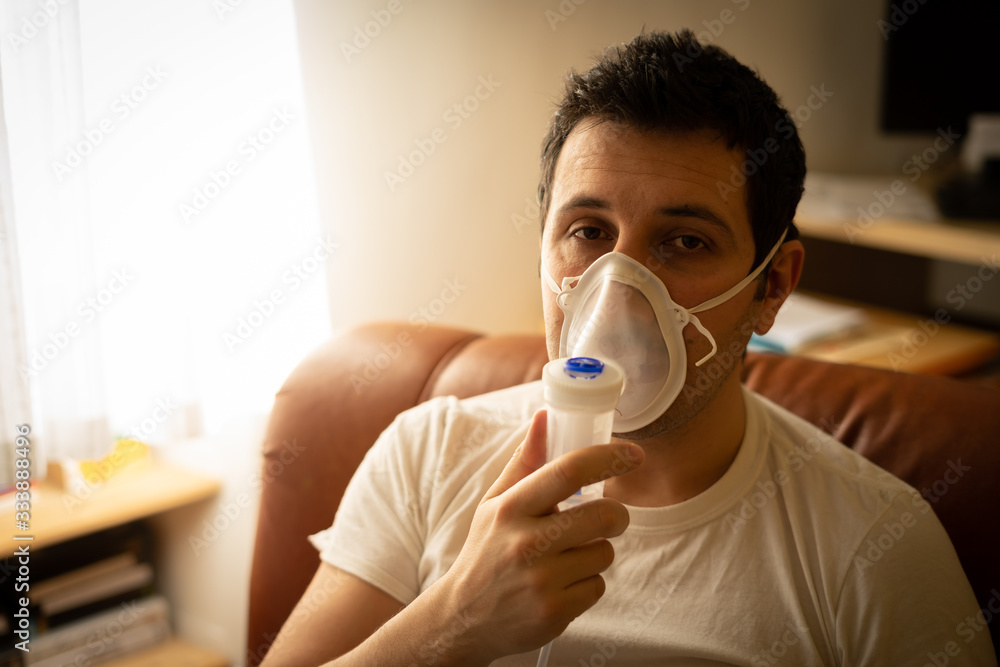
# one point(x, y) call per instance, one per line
point(619, 310)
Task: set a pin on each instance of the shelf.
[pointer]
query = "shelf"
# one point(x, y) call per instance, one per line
point(903, 342)
point(171, 653)
point(57, 515)
point(966, 242)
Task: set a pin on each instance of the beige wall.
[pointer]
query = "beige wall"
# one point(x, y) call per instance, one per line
point(451, 220)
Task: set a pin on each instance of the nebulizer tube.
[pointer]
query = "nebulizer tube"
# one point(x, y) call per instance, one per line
point(581, 394)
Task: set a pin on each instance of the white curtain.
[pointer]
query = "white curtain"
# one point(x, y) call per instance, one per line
point(44, 111)
point(164, 210)
point(15, 402)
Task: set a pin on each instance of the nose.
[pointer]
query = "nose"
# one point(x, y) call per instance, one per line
point(640, 248)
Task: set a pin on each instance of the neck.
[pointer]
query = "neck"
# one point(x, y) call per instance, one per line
point(689, 458)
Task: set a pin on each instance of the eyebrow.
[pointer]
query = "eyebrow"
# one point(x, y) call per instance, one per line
point(584, 201)
point(699, 212)
point(682, 211)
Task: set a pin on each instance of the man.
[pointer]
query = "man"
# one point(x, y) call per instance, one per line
point(675, 164)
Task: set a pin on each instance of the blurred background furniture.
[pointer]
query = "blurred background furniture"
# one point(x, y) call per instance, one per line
point(342, 396)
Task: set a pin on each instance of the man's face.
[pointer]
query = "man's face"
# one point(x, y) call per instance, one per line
point(655, 197)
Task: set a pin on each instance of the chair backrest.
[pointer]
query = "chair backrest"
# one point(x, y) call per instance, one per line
point(940, 435)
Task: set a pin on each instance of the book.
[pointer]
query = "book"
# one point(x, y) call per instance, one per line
point(804, 319)
point(97, 588)
point(118, 631)
point(60, 583)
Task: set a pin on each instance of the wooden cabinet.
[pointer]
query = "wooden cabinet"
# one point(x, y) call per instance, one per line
point(144, 491)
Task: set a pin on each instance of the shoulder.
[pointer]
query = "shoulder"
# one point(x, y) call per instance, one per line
point(884, 556)
point(798, 446)
point(439, 426)
point(834, 498)
point(510, 406)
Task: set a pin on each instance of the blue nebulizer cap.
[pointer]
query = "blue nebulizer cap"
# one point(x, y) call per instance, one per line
point(582, 384)
point(586, 368)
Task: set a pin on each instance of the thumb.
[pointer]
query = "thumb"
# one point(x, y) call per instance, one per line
point(528, 457)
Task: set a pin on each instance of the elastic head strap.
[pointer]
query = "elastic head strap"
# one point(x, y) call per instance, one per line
point(549, 280)
point(738, 287)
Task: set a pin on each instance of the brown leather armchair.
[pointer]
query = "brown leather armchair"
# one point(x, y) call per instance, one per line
point(940, 435)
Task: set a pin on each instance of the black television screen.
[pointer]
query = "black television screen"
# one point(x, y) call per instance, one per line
point(941, 63)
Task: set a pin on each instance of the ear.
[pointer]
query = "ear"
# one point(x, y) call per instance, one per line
point(786, 268)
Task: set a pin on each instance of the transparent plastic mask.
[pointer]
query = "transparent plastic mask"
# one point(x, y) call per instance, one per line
point(615, 321)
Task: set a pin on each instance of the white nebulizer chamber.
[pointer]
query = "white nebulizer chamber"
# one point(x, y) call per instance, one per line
point(581, 394)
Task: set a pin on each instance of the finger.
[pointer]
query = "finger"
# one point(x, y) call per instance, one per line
point(582, 595)
point(602, 518)
point(527, 458)
point(534, 451)
point(536, 494)
point(583, 562)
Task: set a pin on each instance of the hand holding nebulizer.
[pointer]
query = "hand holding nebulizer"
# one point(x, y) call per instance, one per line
point(581, 394)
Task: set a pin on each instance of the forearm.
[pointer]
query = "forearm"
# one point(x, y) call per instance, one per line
point(432, 630)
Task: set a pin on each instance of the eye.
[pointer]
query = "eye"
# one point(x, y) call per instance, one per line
point(688, 242)
point(591, 234)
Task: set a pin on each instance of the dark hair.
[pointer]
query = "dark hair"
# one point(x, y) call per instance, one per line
point(670, 82)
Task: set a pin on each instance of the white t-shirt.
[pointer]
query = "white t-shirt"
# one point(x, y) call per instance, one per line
point(803, 553)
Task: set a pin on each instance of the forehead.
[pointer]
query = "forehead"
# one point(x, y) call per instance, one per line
point(632, 170)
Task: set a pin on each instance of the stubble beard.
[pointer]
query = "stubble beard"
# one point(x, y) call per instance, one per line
point(692, 398)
